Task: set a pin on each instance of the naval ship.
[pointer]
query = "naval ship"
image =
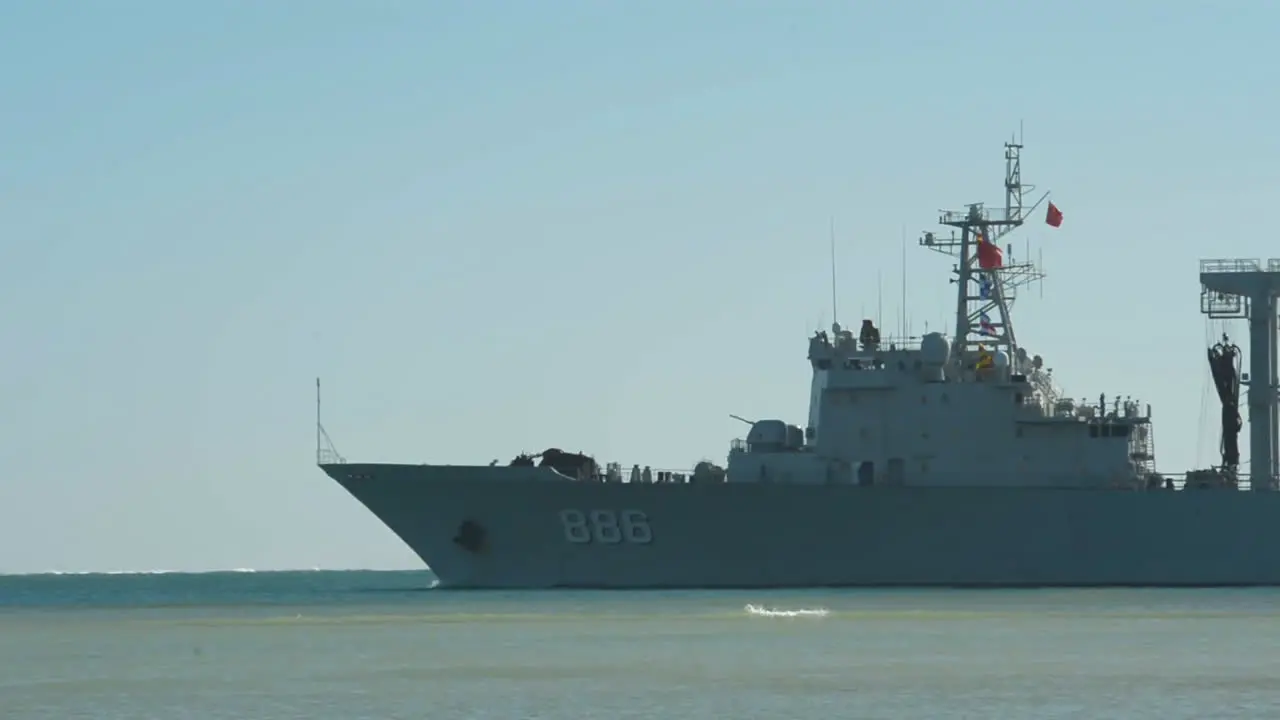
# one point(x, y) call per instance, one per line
point(939, 460)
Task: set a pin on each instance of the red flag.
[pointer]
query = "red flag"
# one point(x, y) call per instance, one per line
point(1053, 216)
point(989, 255)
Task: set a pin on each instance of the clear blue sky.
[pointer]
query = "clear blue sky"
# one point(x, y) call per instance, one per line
point(498, 226)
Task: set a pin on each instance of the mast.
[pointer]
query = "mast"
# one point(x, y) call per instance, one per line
point(835, 320)
point(985, 291)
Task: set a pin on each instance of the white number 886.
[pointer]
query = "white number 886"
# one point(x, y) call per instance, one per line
point(606, 527)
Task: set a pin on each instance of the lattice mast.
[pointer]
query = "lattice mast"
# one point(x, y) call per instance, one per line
point(985, 291)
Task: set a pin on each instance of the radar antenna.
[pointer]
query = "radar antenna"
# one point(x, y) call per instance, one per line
point(987, 277)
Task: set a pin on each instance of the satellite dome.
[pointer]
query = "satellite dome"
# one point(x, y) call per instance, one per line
point(934, 349)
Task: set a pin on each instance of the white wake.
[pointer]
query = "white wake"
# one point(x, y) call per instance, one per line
point(762, 611)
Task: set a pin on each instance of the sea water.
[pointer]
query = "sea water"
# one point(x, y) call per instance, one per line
point(349, 645)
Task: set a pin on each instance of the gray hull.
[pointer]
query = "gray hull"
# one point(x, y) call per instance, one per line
point(750, 535)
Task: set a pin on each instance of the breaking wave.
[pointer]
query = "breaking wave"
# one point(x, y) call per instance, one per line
point(762, 611)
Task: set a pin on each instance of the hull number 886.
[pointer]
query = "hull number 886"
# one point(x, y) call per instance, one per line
point(606, 527)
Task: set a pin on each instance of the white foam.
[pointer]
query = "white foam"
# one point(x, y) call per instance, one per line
point(762, 611)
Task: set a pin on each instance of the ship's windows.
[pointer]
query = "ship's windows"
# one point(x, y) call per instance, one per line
point(902, 365)
point(1017, 399)
point(1120, 431)
point(1093, 431)
point(945, 398)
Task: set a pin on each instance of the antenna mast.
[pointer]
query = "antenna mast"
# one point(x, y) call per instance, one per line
point(904, 329)
point(834, 318)
point(879, 299)
point(985, 291)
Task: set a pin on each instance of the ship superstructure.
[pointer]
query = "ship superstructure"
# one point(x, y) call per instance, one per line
point(972, 409)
